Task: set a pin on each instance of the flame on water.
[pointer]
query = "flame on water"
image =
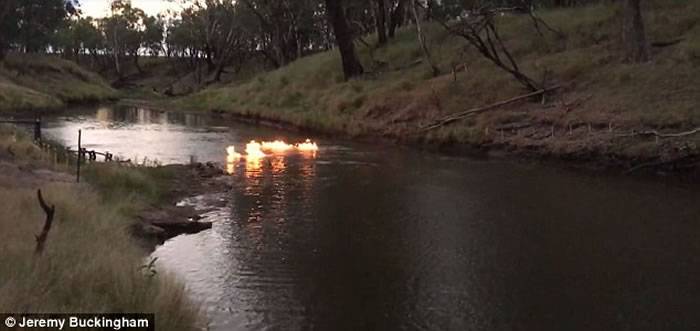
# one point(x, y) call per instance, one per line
point(231, 158)
point(276, 146)
point(254, 150)
point(307, 146)
point(232, 155)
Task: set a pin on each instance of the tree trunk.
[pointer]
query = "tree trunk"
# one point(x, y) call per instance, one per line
point(136, 62)
point(380, 22)
point(633, 34)
point(421, 39)
point(115, 50)
point(397, 18)
point(343, 38)
point(208, 58)
point(5, 10)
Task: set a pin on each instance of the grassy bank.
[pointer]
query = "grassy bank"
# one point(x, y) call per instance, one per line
point(33, 81)
point(601, 99)
point(91, 262)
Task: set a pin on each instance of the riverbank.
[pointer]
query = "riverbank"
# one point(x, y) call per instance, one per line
point(607, 113)
point(32, 82)
point(91, 261)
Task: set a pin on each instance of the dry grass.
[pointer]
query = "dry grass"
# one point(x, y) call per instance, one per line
point(33, 81)
point(91, 262)
point(394, 99)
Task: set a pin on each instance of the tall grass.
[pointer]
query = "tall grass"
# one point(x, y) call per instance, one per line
point(397, 97)
point(91, 263)
point(34, 81)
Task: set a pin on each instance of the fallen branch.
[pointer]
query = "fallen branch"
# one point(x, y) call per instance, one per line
point(667, 43)
point(41, 238)
point(660, 135)
point(461, 115)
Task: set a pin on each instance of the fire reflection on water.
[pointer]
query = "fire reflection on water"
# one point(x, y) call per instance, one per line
point(271, 176)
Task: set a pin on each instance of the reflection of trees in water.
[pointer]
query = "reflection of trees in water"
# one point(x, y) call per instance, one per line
point(130, 115)
point(138, 115)
point(104, 114)
point(187, 119)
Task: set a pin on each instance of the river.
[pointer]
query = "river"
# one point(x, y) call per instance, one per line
point(380, 237)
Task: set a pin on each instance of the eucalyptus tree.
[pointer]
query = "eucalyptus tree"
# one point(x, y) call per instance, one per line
point(78, 37)
point(379, 7)
point(226, 38)
point(335, 11)
point(30, 25)
point(397, 15)
point(287, 29)
point(8, 25)
point(123, 32)
point(38, 22)
point(633, 32)
point(153, 31)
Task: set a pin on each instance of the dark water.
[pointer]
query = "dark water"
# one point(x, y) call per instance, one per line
point(364, 237)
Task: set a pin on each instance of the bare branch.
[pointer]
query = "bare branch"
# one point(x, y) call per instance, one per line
point(41, 238)
point(460, 115)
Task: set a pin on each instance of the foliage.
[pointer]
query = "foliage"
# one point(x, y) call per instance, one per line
point(31, 24)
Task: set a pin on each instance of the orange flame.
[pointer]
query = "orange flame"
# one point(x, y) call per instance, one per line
point(232, 155)
point(307, 146)
point(231, 159)
point(276, 146)
point(254, 150)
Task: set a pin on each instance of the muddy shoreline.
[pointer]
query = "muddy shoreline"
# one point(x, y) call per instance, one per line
point(170, 218)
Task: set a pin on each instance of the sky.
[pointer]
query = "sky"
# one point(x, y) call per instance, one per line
point(100, 8)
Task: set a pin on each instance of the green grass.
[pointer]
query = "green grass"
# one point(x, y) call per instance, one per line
point(91, 262)
point(662, 93)
point(33, 81)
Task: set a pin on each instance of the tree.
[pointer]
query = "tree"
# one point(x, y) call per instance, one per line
point(397, 17)
point(38, 21)
point(123, 32)
point(285, 29)
point(634, 37)
point(421, 39)
point(479, 29)
point(380, 21)
point(343, 38)
point(154, 27)
point(225, 35)
point(78, 37)
point(8, 25)
point(31, 25)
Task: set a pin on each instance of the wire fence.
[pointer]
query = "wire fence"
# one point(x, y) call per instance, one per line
point(59, 154)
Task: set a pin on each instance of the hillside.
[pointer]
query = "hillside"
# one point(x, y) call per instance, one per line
point(593, 116)
point(33, 81)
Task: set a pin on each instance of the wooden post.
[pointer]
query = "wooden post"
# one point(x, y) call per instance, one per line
point(77, 175)
point(37, 129)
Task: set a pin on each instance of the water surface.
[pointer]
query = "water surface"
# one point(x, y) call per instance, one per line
point(364, 237)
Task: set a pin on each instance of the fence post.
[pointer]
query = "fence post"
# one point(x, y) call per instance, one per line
point(37, 129)
point(77, 175)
